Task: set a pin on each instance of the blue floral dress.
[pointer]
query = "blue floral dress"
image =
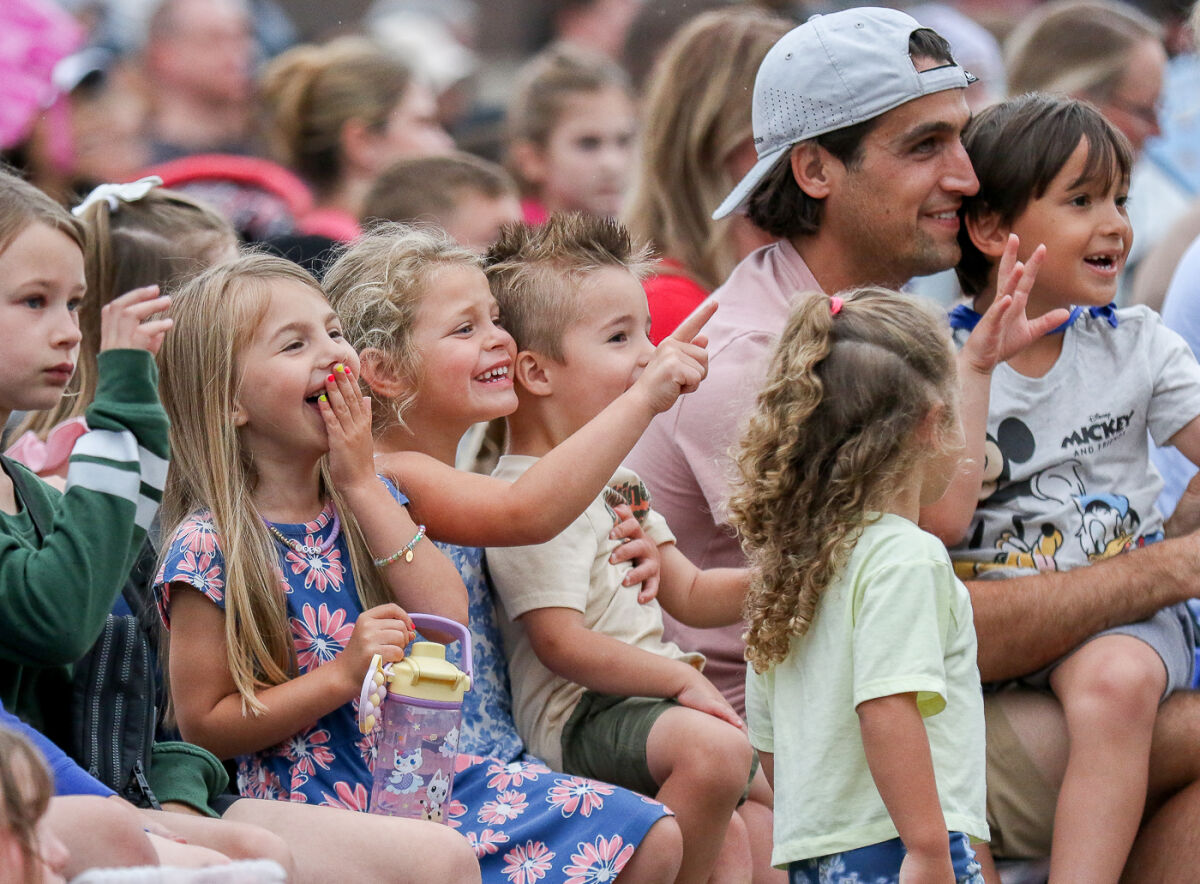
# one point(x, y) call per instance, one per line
point(528, 824)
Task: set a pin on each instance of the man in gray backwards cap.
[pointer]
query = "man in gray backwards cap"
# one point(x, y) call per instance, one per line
point(857, 120)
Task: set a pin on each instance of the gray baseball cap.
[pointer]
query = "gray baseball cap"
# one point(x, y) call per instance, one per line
point(829, 73)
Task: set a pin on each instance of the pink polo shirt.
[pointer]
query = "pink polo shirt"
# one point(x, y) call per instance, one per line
point(683, 456)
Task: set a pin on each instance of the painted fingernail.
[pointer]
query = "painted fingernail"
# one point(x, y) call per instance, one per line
point(322, 397)
point(329, 379)
point(339, 367)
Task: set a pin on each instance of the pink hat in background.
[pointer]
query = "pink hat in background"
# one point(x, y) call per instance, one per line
point(34, 36)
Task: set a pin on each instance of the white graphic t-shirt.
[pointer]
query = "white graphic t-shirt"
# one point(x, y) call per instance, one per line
point(1068, 479)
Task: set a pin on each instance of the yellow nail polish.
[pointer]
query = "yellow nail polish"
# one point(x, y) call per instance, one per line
point(322, 398)
point(339, 367)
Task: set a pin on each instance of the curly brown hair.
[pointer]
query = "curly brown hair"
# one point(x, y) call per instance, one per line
point(829, 443)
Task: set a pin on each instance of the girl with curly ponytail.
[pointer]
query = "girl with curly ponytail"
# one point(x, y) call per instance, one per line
point(863, 683)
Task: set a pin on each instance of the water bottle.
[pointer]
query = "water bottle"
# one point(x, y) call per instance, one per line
point(418, 703)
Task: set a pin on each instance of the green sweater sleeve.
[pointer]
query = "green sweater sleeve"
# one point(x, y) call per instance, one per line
point(54, 596)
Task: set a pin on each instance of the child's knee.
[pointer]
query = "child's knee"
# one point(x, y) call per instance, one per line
point(452, 857)
point(722, 757)
point(1125, 685)
point(243, 841)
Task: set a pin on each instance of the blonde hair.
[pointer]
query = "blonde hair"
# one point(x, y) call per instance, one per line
point(160, 239)
point(311, 92)
point(216, 314)
point(544, 86)
point(376, 286)
point(536, 273)
point(25, 791)
point(830, 441)
point(699, 99)
point(1076, 47)
point(22, 204)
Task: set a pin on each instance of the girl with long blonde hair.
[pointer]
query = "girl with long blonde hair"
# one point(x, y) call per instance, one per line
point(284, 571)
point(700, 145)
point(863, 683)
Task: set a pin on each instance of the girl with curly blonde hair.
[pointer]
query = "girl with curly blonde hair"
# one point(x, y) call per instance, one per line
point(863, 683)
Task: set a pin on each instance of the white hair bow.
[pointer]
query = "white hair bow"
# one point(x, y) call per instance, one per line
point(115, 194)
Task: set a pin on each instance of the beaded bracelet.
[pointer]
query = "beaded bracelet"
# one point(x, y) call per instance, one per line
point(405, 551)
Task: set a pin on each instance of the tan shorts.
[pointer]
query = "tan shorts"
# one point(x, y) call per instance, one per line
point(1020, 797)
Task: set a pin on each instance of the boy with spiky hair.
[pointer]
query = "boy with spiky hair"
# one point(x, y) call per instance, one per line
point(597, 691)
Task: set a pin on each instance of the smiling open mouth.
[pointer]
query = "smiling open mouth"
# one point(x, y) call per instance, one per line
point(1101, 262)
point(493, 374)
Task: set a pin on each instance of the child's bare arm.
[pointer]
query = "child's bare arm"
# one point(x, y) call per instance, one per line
point(608, 665)
point(473, 510)
point(897, 750)
point(1187, 440)
point(1002, 332)
point(208, 706)
point(713, 597)
point(429, 582)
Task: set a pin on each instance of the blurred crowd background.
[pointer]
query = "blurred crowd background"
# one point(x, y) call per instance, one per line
point(283, 113)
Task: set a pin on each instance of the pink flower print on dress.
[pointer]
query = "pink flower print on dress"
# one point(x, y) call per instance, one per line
point(507, 806)
point(368, 746)
point(348, 797)
point(486, 842)
point(199, 534)
point(307, 749)
point(320, 570)
point(255, 780)
point(514, 773)
point(205, 576)
point(599, 862)
point(527, 863)
point(320, 635)
point(463, 761)
point(578, 794)
point(455, 810)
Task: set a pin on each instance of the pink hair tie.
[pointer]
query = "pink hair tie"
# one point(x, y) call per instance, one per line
point(835, 305)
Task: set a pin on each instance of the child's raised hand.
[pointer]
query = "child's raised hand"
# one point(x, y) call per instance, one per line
point(347, 416)
point(1004, 330)
point(680, 362)
point(125, 322)
point(636, 548)
point(385, 630)
point(699, 693)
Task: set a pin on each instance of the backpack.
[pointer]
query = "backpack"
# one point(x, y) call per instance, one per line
point(115, 686)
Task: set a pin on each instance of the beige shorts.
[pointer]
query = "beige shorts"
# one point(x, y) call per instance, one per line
point(1020, 796)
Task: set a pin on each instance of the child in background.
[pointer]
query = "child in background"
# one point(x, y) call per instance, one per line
point(420, 310)
point(135, 235)
point(1068, 478)
point(863, 696)
point(30, 853)
point(57, 589)
point(273, 476)
point(700, 146)
point(597, 690)
point(469, 198)
point(571, 131)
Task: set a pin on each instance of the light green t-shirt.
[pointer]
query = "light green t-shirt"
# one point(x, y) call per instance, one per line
point(895, 620)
